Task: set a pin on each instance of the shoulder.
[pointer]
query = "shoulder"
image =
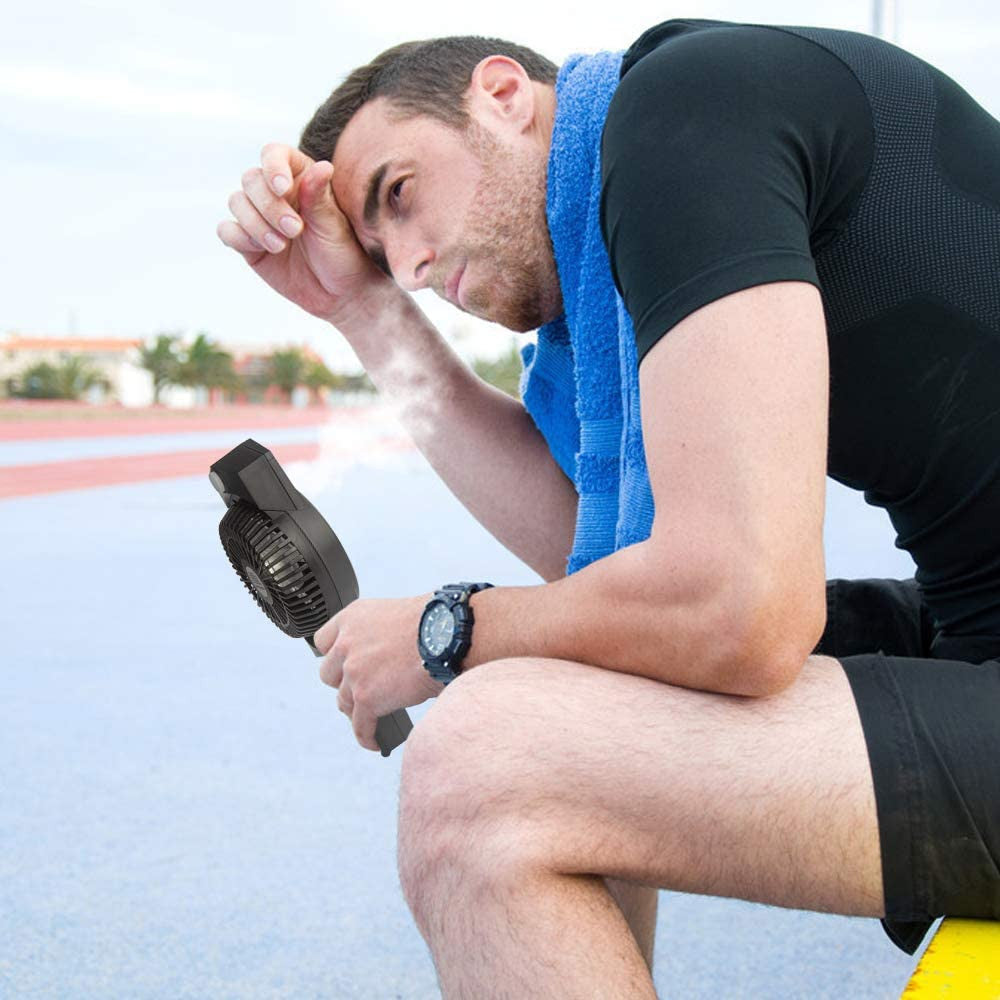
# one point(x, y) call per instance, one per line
point(694, 38)
point(685, 71)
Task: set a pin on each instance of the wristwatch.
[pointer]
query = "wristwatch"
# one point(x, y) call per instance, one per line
point(445, 632)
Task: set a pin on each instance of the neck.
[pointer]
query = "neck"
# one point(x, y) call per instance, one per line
point(545, 116)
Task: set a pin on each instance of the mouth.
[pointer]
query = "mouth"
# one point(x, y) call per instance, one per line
point(451, 287)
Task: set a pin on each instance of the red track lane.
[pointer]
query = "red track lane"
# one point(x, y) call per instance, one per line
point(175, 422)
point(82, 474)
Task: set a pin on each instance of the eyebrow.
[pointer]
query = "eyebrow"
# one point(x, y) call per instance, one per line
point(371, 211)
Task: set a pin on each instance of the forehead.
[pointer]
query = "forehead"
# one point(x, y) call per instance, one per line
point(373, 125)
point(377, 137)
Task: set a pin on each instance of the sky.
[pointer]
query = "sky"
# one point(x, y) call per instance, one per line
point(124, 128)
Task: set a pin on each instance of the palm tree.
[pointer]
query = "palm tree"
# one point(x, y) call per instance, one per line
point(69, 380)
point(317, 376)
point(288, 369)
point(204, 364)
point(162, 361)
point(38, 382)
point(76, 375)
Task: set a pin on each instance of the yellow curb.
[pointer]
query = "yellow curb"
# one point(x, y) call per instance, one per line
point(963, 960)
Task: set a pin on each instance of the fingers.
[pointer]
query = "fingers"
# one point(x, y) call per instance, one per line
point(270, 220)
point(331, 670)
point(345, 702)
point(363, 721)
point(264, 209)
point(266, 221)
point(326, 635)
point(263, 220)
point(250, 234)
point(281, 164)
point(233, 235)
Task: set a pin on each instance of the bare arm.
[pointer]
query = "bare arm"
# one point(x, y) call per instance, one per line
point(480, 441)
point(728, 593)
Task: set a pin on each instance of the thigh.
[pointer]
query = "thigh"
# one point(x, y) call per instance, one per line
point(585, 770)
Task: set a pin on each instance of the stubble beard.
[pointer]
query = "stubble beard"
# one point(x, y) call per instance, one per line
point(508, 241)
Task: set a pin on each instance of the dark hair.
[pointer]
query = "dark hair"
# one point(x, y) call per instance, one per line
point(420, 78)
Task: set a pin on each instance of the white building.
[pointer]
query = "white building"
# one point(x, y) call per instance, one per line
point(116, 359)
point(132, 385)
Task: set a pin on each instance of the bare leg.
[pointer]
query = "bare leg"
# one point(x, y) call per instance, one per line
point(638, 904)
point(531, 781)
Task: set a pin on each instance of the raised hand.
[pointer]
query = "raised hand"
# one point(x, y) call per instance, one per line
point(290, 230)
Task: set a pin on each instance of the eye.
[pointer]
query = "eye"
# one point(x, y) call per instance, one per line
point(395, 191)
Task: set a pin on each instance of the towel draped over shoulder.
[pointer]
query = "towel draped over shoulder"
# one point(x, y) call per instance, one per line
point(580, 382)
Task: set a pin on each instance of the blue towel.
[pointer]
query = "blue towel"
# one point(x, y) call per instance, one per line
point(580, 383)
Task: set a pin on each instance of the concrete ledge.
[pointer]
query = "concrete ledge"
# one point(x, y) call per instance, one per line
point(962, 960)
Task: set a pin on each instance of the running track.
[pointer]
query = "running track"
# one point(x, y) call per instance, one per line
point(27, 479)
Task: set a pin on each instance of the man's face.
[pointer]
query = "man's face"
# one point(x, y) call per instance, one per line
point(462, 213)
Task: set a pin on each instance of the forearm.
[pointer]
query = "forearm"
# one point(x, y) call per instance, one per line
point(479, 440)
point(638, 612)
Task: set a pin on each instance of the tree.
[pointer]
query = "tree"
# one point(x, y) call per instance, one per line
point(162, 361)
point(37, 382)
point(504, 372)
point(288, 369)
point(70, 379)
point(205, 364)
point(357, 383)
point(317, 376)
point(75, 375)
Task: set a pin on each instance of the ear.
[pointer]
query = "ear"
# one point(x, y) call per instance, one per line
point(502, 90)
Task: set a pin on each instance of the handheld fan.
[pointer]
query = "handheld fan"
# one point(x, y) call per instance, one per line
point(287, 556)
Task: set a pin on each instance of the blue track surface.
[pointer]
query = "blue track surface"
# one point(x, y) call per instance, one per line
point(185, 813)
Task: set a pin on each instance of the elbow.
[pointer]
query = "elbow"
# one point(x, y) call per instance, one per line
point(770, 642)
point(770, 672)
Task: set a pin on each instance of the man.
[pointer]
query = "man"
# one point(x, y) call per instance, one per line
point(802, 229)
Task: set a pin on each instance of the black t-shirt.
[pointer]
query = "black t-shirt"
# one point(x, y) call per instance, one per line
point(735, 155)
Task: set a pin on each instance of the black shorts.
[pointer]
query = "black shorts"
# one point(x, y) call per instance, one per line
point(930, 711)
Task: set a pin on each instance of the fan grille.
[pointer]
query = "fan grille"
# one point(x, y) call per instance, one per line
point(273, 570)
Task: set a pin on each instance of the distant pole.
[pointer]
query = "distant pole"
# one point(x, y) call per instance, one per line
point(885, 19)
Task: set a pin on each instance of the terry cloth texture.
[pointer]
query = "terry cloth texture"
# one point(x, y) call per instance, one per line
point(580, 382)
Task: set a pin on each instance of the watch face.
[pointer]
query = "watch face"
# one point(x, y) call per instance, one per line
point(437, 629)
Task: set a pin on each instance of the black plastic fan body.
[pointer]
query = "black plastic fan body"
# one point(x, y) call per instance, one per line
point(287, 556)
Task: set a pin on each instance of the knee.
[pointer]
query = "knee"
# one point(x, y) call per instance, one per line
point(456, 756)
point(456, 779)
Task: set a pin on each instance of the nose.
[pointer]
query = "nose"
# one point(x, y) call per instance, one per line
point(410, 262)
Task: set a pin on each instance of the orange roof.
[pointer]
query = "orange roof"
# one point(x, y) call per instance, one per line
point(244, 353)
point(67, 344)
point(241, 353)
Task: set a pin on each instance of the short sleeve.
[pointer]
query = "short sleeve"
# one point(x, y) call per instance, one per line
point(721, 160)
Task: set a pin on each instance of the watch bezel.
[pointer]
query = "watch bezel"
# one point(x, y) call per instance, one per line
point(429, 612)
point(463, 618)
point(442, 666)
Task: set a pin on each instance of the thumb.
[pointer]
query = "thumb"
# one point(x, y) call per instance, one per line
point(315, 190)
point(318, 206)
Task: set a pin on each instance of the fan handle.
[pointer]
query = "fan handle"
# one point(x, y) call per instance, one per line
point(391, 729)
